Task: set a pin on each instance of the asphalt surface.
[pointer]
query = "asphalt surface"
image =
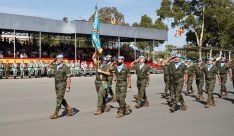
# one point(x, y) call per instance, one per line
point(25, 107)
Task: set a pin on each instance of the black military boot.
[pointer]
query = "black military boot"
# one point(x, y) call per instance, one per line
point(174, 107)
point(183, 106)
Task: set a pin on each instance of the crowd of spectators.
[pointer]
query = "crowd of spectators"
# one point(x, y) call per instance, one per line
point(26, 49)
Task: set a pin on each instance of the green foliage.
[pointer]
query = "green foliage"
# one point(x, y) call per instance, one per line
point(107, 13)
point(218, 19)
point(146, 21)
point(135, 24)
point(160, 25)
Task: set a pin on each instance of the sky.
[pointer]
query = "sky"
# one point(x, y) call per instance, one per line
point(75, 9)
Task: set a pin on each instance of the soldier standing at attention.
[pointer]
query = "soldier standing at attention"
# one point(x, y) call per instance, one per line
point(143, 72)
point(211, 70)
point(91, 69)
point(30, 69)
point(191, 75)
point(199, 72)
point(62, 76)
point(77, 68)
point(72, 68)
point(84, 66)
point(36, 68)
point(14, 69)
point(123, 84)
point(224, 68)
point(22, 67)
point(101, 85)
point(7, 69)
point(1, 69)
point(42, 68)
point(180, 78)
point(110, 67)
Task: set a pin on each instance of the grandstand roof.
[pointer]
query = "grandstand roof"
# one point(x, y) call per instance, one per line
point(38, 24)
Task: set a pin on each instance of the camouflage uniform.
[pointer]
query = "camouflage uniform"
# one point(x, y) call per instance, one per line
point(177, 75)
point(110, 79)
point(121, 87)
point(191, 71)
point(166, 78)
point(223, 69)
point(210, 77)
point(1, 70)
point(199, 72)
point(142, 81)
point(61, 73)
point(101, 88)
point(171, 82)
point(7, 70)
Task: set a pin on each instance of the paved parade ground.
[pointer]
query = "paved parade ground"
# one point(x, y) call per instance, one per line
point(27, 104)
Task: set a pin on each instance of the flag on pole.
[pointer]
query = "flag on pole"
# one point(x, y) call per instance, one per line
point(96, 33)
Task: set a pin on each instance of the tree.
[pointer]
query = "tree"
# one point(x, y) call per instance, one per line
point(160, 25)
point(203, 19)
point(135, 24)
point(146, 21)
point(110, 15)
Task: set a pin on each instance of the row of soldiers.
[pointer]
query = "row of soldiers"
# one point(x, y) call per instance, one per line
point(178, 74)
point(108, 71)
point(41, 69)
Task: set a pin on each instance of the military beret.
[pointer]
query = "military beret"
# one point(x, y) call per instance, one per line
point(141, 57)
point(210, 59)
point(178, 56)
point(60, 56)
point(108, 56)
point(121, 57)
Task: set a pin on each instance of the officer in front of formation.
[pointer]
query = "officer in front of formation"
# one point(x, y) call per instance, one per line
point(62, 76)
point(143, 72)
point(179, 74)
point(122, 77)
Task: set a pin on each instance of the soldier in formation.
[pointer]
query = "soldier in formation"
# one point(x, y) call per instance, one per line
point(143, 72)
